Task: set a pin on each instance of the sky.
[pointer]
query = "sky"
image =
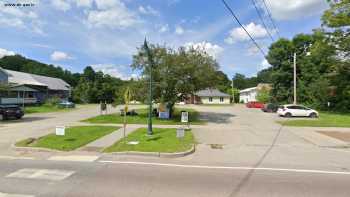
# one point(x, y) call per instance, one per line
point(105, 34)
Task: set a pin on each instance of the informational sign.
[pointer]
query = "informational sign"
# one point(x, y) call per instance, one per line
point(184, 116)
point(164, 115)
point(180, 132)
point(60, 130)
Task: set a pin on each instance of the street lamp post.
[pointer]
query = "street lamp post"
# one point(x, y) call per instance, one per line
point(150, 60)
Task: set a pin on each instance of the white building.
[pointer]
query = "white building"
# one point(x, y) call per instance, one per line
point(249, 94)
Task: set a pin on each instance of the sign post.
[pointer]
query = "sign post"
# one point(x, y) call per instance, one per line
point(180, 134)
point(184, 118)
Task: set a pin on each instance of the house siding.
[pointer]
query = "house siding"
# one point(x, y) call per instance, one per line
point(215, 100)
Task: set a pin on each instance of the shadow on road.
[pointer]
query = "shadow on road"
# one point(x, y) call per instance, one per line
point(214, 117)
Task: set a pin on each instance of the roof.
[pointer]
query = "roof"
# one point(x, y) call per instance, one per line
point(211, 92)
point(22, 78)
point(248, 90)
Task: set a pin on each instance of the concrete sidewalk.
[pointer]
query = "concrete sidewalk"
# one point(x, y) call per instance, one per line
point(109, 140)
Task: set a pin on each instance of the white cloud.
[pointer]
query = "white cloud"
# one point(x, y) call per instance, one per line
point(113, 14)
point(4, 52)
point(294, 9)
point(212, 49)
point(19, 18)
point(84, 3)
point(148, 10)
point(62, 5)
point(164, 28)
point(59, 56)
point(108, 4)
point(113, 70)
point(253, 50)
point(238, 34)
point(264, 64)
point(179, 30)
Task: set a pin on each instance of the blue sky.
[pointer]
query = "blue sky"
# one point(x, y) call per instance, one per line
point(105, 33)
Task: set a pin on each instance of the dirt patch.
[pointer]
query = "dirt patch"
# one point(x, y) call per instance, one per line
point(343, 136)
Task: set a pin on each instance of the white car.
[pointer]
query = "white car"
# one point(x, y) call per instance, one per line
point(297, 111)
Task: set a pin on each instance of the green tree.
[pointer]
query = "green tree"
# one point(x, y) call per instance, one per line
point(176, 73)
point(263, 95)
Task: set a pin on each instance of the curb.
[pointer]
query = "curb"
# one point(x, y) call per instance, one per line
point(133, 153)
point(36, 149)
point(156, 154)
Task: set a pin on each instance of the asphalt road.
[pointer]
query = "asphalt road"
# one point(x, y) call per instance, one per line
point(110, 179)
point(258, 158)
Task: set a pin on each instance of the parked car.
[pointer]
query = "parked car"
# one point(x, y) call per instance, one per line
point(66, 104)
point(270, 107)
point(255, 104)
point(10, 111)
point(296, 111)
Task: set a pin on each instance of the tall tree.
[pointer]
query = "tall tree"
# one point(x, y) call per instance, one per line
point(176, 73)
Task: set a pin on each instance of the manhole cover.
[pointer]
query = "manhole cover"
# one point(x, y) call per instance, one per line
point(216, 146)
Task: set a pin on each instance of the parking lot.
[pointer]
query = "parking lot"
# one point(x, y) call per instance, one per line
point(236, 134)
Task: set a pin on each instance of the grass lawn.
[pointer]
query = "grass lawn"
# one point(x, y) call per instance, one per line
point(163, 140)
point(44, 109)
point(75, 137)
point(142, 118)
point(326, 119)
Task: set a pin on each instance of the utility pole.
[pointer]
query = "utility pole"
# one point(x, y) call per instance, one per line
point(150, 61)
point(233, 94)
point(295, 78)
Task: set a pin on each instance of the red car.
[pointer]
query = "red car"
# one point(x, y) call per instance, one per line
point(255, 104)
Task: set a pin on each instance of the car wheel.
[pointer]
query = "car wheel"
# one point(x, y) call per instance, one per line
point(313, 115)
point(288, 115)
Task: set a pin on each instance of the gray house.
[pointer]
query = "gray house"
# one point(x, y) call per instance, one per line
point(25, 88)
point(209, 96)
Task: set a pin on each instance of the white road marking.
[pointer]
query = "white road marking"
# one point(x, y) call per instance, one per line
point(43, 174)
point(14, 195)
point(229, 167)
point(80, 158)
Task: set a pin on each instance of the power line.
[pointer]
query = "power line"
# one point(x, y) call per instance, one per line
point(262, 20)
point(270, 16)
point(235, 17)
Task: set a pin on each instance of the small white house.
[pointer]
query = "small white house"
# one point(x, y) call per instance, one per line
point(249, 94)
point(212, 96)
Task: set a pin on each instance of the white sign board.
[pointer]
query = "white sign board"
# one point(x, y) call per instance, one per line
point(180, 132)
point(60, 130)
point(184, 116)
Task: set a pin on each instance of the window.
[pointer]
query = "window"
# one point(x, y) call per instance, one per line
point(210, 99)
point(221, 99)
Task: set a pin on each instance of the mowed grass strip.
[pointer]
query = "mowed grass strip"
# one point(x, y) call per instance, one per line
point(142, 118)
point(163, 140)
point(326, 119)
point(45, 109)
point(74, 138)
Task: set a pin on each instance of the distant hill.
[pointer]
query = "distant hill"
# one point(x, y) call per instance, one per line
point(22, 64)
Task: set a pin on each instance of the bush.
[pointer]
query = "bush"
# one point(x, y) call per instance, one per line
point(53, 101)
